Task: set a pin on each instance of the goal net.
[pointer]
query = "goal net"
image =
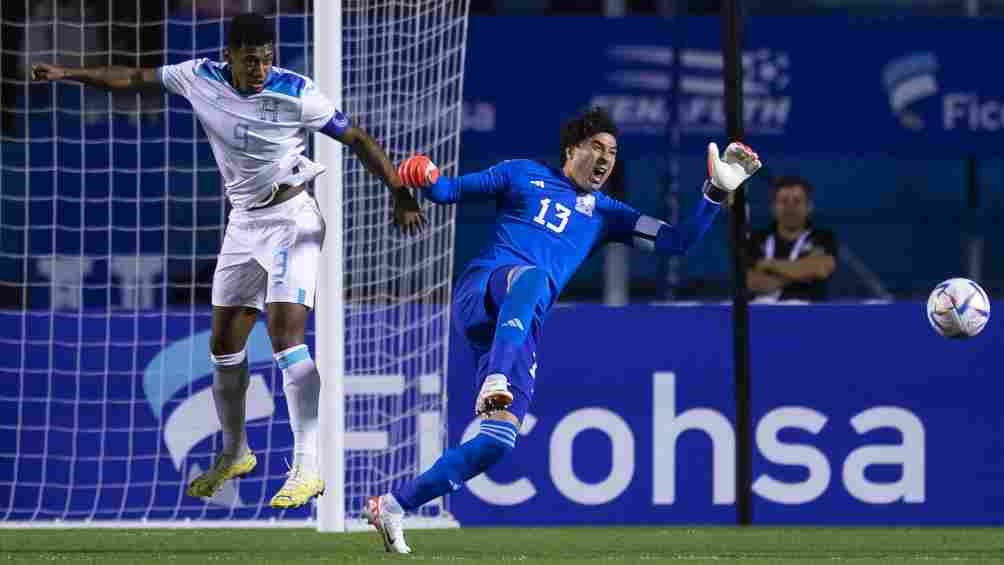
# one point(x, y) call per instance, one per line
point(111, 215)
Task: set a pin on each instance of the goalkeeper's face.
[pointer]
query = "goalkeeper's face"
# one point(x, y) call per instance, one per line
point(590, 163)
point(249, 66)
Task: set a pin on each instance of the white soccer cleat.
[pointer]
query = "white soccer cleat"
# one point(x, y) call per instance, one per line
point(494, 395)
point(390, 525)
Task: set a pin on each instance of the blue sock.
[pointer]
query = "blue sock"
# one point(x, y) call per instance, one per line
point(516, 314)
point(460, 464)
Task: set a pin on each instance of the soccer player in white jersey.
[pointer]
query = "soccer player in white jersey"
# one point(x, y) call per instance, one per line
point(257, 118)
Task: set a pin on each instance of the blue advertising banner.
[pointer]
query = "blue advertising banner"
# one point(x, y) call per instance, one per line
point(861, 415)
point(108, 416)
point(822, 84)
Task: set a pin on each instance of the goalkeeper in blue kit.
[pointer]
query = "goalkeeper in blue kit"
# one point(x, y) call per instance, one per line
point(548, 222)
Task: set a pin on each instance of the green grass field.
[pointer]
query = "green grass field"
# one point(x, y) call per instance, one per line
point(527, 545)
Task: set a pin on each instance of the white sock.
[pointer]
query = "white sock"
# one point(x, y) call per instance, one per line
point(302, 386)
point(230, 385)
point(390, 504)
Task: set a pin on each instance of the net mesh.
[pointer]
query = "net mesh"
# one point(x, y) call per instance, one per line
point(403, 71)
point(111, 215)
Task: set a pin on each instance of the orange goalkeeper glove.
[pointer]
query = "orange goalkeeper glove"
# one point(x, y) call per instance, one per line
point(418, 171)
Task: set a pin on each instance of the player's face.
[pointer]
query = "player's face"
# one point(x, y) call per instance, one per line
point(590, 163)
point(250, 66)
point(791, 207)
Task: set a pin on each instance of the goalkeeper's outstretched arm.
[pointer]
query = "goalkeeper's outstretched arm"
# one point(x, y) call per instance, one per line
point(627, 225)
point(105, 78)
point(420, 172)
point(726, 174)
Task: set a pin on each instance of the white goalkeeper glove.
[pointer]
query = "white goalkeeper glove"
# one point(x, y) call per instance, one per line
point(725, 174)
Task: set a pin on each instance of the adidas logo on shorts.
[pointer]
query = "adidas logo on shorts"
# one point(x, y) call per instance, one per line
point(515, 323)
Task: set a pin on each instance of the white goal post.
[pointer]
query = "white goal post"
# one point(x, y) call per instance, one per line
point(330, 311)
point(397, 69)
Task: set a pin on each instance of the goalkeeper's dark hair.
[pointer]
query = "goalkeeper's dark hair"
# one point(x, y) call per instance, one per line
point(593, 121)
point(790, 180)
point(250, 30)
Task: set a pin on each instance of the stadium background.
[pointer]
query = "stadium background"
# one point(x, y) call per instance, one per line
point(912, 207)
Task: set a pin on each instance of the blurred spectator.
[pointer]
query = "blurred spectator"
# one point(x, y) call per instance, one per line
point(791, 259)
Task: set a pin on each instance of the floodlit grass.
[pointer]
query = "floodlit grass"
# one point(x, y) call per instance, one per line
point(510, 545)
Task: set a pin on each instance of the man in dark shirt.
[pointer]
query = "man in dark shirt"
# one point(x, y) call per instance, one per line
point(791, 259)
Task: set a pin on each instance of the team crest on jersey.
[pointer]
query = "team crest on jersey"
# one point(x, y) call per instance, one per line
point(585, 203)
point(268, 110)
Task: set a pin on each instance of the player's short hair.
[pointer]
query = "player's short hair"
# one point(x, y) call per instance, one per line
point(250, 30)
point(790, 180)
point(593, 121)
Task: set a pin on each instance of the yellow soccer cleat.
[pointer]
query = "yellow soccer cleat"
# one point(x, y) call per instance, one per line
point(223, 469)
point(301, 485)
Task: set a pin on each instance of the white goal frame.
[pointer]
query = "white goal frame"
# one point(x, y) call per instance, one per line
point(330, 311)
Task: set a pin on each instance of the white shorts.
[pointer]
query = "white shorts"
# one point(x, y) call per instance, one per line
point(270, 254)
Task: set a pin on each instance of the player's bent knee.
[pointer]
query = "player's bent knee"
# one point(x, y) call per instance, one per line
point(287, 323)
point(222, 346)
point(282, 343)
point(231, 327)
point(285, 335)
point(528, 277)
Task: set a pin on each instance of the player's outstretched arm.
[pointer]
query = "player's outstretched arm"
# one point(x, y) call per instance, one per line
point(407, 213)
point(418, 171)
point(106, 78)
point(726, 174)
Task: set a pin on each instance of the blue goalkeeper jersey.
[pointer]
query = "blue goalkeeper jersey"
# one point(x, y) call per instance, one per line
point(545, 221)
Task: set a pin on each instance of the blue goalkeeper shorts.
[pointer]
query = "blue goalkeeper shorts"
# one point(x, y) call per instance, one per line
point(476, 301)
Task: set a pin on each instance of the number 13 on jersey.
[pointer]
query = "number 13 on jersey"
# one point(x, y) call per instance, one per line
point(561, 212)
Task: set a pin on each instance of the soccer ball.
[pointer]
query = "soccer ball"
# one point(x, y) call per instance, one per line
point(958, 308)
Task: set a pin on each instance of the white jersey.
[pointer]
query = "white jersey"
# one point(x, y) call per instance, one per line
point(259, 139)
